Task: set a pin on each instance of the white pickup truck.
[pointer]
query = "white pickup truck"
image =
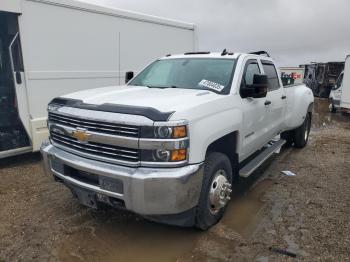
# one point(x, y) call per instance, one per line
point(169, 143)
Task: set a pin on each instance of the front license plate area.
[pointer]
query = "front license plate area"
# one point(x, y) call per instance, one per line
point(87, 198)
point(102, 198)
point(113, 185)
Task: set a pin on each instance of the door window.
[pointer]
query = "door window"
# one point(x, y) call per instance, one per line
point(251, 69)
point(272, 77)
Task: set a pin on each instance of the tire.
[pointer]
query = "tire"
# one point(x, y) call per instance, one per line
point(216, 166)
point(288, 136)
point(301, 134)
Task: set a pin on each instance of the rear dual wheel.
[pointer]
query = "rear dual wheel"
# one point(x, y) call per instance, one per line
point(299, 136)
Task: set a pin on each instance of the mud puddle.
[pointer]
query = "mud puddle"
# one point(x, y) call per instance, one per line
point(120, 236)
point(242, 214)
point(322, 118)
point(129, 239)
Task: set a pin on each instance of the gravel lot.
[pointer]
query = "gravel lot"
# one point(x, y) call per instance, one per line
point(307, 214)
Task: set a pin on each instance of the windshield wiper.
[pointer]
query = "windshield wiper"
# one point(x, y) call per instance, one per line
point(173, 86)
point(163, 87)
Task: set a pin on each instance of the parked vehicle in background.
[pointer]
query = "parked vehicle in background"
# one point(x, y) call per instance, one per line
point(49, 48)
point(340, 94)
point(292, 75)
point(321, 77)
point(335, 95)
point(169, 144)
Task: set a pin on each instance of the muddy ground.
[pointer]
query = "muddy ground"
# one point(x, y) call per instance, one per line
point(307, 214)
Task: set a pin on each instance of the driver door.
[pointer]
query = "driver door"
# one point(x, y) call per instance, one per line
point(18, 77)
point(254, 132)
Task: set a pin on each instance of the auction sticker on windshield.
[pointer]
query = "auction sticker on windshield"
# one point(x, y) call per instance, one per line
point(211, 85)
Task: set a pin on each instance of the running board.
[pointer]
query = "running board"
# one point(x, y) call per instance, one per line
point(271, 148)
point(16, 151)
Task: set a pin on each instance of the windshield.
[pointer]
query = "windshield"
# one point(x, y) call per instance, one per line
point(212, 74)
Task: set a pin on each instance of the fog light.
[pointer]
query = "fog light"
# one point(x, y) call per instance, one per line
point(178, 155)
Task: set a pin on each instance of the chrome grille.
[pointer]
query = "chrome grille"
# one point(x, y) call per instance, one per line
point(95, 126)
point(96, 149)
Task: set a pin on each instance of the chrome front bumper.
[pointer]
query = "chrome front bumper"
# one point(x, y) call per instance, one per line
point(146, 191)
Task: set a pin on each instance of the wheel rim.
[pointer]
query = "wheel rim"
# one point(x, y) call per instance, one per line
point(219, 193)
point(306, 130)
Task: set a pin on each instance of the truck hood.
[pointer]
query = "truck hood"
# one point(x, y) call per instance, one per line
point(164, 100)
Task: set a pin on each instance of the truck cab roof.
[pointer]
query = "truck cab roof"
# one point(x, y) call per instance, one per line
point(216, 55)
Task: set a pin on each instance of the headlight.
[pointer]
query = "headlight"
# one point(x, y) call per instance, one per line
point(161, 155)
point(174, 148)
point(178, 155)
point(179, 131)
point(164, 132)
point(53, 107)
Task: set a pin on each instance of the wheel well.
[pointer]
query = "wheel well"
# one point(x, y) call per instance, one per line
point(227, 145)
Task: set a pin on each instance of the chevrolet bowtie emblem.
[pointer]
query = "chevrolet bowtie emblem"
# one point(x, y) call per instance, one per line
point(81, 135)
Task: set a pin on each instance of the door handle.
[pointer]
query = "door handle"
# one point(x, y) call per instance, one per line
point(267, 102)
point(283, 97)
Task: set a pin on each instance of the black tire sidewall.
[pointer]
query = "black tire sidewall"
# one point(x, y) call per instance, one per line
point(299, 134)
point(214, 162)
point(288, 136)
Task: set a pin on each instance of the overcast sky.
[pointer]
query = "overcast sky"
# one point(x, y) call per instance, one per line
point(293, 31)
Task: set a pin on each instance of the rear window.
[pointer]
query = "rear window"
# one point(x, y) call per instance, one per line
point(272, 77)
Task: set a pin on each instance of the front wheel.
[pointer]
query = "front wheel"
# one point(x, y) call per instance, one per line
point(301, 134)
point(216, 190)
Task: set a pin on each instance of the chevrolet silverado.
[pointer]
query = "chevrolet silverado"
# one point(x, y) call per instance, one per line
point(169, 143)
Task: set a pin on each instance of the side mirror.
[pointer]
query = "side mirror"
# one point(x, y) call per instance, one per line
point(258, 89)
point(128, 76)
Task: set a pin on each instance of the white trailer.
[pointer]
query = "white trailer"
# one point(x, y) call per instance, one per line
point(345, 87)
point(52, 47)
point(340, 94)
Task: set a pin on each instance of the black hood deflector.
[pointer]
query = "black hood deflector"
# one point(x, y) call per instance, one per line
point(148, 112)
